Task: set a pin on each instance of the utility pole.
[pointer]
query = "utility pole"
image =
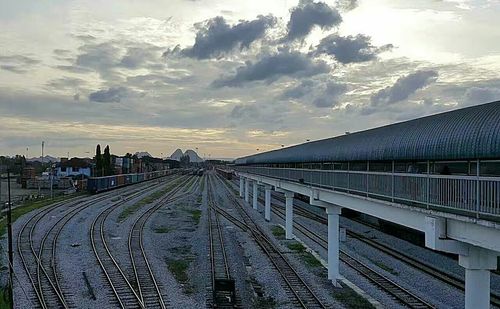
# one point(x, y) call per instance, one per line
point(51, 181)
point(11, 257)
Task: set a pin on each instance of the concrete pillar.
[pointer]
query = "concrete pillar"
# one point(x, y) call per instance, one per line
point(333, 213)
point(242, 180)
point(267, 210)
point(255, 195)
point(289, 215)
point(477, 263)
point(247, 184)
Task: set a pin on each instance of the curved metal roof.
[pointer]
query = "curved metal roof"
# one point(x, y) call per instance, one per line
point(467, 133)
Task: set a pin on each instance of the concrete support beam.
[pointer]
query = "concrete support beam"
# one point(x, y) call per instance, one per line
point(267, 210)
point(255, 195)
point(288, 215)
point(333, 213)
point(242, 184)
point(477, 263)
point(247, 185)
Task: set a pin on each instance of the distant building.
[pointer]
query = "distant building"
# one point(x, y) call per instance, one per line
point(73, 168)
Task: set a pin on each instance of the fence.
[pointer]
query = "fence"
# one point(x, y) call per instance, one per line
point(470, 195)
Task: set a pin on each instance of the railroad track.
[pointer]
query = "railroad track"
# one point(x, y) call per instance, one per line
point(28, 254)
point(39, 260)
point(41, 273)
point(221, 297)
point(445, 277)
point(122, 289)
point(148, 289)
point(400, 293)
point(47, 276)
point(298, 289)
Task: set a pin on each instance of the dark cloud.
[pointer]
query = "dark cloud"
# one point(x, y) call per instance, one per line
point(330, 97)
point(17, 63)
point(272, 67)
point(215, 37)
point(137, 57)
point(244, 111)
point(309, 14)
point(113, 94)
point(403, 87)
point(99, 57)
point(297, 92)
point(349, 49)
point(477, 95)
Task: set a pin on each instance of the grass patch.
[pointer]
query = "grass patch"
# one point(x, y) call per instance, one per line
point(307, 257)
point(202, 183)
point(4, 298)
point(385, 267)
point(163, 230)
point(310, 260)
point(196, 215)
point(32, 205)
point(351, 299)
point(147, 200)
point(278, 231)
point(296, 246)
point(179, 268)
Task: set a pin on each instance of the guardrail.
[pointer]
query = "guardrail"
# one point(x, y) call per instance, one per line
point(469, 195)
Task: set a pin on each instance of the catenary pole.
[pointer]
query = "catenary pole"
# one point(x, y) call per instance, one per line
point(11, 257)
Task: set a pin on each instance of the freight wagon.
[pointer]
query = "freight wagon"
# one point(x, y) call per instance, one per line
point(101, 184)
point(228, 174)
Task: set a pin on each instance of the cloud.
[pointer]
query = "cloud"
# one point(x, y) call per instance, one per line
point(137, 57)
point(216, 38)
point(17, 63)
point(113, 94)
point(66, 83)
point(297, 92)
point(347, 5)
point(272, 67)
point(349, 49)
point(244, 111)
point(477, 95)
point(403, 87)
point(99, 57)
point(309, 14)
point(330, 97)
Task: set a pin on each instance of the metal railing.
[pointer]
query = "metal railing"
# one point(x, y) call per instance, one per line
point(469, 195)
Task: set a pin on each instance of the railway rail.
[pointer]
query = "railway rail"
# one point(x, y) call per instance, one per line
point(122, 288)
point(400, 293)
point(148, 289)
point(39, 262)
point(443, 276)
point(223, 291)
point(300, 291)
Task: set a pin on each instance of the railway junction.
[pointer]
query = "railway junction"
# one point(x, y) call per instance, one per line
point(284, 229)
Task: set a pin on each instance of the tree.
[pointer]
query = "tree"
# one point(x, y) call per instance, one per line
point(98, 161)
point(107, 162)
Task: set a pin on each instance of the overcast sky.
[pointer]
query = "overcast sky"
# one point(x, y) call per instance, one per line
point(232, 76)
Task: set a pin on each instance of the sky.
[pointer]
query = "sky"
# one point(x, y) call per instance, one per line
point(234, 77)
